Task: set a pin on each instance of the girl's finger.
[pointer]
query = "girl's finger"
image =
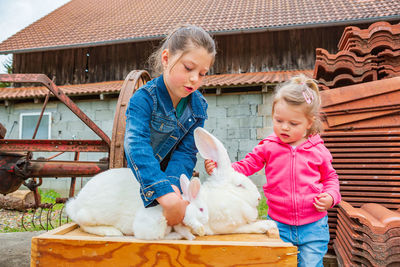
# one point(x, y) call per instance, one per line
point(320, 209)
point(318, 201)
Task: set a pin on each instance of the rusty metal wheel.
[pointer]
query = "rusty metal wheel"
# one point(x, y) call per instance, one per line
point(133, 81)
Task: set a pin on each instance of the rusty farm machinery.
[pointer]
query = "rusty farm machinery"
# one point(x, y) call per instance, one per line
point(19, 167)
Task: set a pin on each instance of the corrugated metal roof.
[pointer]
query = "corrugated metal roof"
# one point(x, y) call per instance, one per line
point(223, 80)
point(96, 22)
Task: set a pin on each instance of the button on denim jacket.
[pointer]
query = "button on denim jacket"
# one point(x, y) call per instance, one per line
point(154, 135)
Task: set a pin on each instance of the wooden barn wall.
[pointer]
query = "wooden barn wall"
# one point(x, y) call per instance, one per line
point(252, 52)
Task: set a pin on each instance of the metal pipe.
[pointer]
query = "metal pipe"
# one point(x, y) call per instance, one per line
point(23, 145)
point(66, 169)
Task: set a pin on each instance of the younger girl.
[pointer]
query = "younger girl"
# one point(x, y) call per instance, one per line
point(301, 182)
point(162, 115)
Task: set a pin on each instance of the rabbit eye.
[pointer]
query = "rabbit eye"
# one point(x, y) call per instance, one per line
point(201, 209)
point(240, 185)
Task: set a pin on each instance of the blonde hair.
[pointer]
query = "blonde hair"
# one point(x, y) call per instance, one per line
point(182, 39)
point(301, 90)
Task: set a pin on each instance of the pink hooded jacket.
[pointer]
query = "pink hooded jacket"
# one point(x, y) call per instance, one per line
point(294, 177)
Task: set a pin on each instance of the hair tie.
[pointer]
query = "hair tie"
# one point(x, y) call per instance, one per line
point(307, 94)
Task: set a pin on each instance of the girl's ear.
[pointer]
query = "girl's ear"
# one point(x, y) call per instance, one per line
point(310, 122)
point(165, 58)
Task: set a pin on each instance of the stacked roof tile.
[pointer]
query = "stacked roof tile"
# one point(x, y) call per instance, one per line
point(364, 55)
point(369, 106)
point(368, 236)
point(362, 131)
point(81, 23)
point(368, 165)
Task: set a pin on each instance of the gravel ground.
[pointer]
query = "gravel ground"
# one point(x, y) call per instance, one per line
point(13, 219)
point(10, 218)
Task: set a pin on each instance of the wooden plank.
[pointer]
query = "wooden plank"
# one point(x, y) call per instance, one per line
point(363, 144)
point(365, 155)
point(365, 177)
point(366, 161)
point(68, 246)
point(363, 165)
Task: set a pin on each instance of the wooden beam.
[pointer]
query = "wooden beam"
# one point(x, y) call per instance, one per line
point(68, 245)
point(3, 131)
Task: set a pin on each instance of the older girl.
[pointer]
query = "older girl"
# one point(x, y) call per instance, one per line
point(162, 115)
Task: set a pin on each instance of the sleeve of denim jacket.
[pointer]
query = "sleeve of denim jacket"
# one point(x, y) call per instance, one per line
point(183, 159)
point(138, 151)
point(329, 177)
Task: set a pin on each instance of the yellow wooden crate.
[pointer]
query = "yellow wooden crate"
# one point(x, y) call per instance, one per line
point(69, 246)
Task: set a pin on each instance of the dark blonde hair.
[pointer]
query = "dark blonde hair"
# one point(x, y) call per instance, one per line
point(301, 90)
point(182, 39)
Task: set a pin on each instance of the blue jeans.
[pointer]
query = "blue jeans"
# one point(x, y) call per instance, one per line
point(311, 239)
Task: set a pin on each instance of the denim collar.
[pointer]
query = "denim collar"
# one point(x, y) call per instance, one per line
point(195, 101)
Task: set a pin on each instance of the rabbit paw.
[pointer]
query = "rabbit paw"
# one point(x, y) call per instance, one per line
point(200, 231)
point(266, 225)
point(273, 233)
point(257, 227)
point(173, 236)
point(189, 236)
point(184, 232)
point(102, 230)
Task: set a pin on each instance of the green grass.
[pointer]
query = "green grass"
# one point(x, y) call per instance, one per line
point(48, 196)
point(262, 208)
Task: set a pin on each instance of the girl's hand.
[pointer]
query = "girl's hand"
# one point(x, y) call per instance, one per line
point(209, 165)
point(174, 206)
point(323, 202)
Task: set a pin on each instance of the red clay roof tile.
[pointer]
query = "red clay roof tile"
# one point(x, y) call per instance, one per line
point(252, 78)
point(224, 80)
point(369, 235)
point(95, 22)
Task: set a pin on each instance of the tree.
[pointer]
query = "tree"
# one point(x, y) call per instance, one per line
point(7, 64)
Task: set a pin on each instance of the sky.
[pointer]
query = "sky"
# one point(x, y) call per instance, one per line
point(16, 15)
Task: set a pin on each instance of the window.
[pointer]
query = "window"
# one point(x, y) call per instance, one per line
point(28, 123)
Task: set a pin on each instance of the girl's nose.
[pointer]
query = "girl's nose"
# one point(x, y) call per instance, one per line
point(194, 78)
point(285, 126)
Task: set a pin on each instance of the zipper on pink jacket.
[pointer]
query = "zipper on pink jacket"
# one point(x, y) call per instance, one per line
point(293, 161)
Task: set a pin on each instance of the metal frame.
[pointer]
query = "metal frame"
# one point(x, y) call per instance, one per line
point(19, 167)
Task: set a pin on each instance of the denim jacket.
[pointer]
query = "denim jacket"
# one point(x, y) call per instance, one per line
point(159, 147)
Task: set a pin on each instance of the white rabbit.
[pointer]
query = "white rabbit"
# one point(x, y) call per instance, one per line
point(231, 197)
point(110, 204)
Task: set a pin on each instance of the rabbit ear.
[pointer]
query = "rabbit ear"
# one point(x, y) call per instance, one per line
point(184, 181)
point(194, 188)
point(211, 148)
